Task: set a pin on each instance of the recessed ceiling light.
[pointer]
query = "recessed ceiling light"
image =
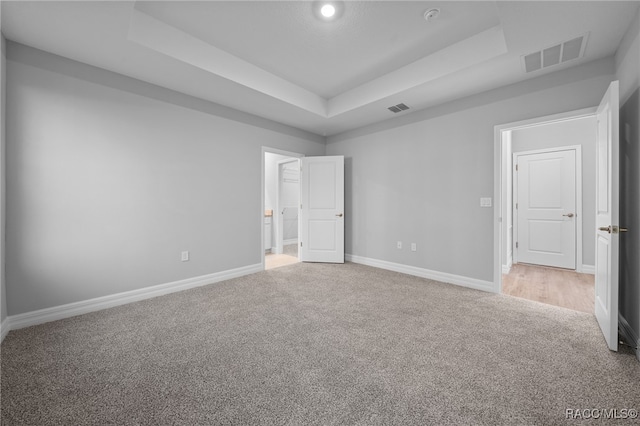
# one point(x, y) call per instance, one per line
point(328, 10)
point(431, 14)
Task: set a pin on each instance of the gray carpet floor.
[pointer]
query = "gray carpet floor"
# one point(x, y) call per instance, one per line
point(316, 344)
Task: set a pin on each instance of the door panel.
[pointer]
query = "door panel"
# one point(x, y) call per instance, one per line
point(544, 191)
point(546, 207)
point(545, 236)
point(322, 209)
point(603, 272)
point(607, 216)
point(322, 185)
point(321, 235)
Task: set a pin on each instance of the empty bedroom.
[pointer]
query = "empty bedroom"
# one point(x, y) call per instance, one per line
point(312, 212)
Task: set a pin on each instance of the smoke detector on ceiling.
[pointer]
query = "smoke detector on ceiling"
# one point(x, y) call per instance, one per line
point(431, 14)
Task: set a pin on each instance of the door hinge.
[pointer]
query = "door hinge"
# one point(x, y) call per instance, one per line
point(516, 206)
point(516, 244)
point(300, 243)
point(516, 167)
point(300, 206)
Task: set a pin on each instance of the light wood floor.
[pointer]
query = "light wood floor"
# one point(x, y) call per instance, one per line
point(276, 260)
point(560, 287)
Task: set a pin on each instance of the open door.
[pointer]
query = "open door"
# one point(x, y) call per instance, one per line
point(607, 216)
point(322, 209)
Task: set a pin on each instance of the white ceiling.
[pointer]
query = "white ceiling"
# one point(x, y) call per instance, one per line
point(279, 61)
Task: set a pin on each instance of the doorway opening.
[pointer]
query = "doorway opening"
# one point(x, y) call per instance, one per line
point(280, 207)
point(546, 215)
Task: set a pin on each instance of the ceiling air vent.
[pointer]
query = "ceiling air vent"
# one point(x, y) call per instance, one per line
point(398, 108)
point(556, 54)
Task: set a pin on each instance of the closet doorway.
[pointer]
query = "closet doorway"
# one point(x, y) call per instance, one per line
point(281, 208)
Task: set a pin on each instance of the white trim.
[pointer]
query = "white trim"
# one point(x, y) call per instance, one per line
point(423, 273)
point(627, 332)
point(507, 268)
point(5, 328)
point(588, 269)
point(498, 173)
point(78, 308)
point(290, 241)
point(578, 197)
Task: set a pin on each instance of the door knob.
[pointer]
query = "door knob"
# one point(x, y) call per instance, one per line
point(568, 215)
point(613, 229)
point(339, 215)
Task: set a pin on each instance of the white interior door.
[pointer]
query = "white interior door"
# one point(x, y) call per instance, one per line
point(607, 216)
point(546, 208)
point(322, 209)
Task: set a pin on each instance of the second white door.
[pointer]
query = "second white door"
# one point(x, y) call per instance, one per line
point(322, 209)
point(546, 208)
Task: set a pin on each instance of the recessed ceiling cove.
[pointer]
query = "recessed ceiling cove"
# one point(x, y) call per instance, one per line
point(278, 61)
point(328, 68)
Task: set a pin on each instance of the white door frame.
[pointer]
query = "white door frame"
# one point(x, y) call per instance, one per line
point(280, 220)
point(578, 212)
point(499, 171)
point(266, 149)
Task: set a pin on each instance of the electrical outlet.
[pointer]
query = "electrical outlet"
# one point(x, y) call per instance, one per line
point(414, 247)
point(485, 202)
point(185, 256)
point(399, 245)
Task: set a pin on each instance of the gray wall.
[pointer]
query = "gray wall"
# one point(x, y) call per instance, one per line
point(419, 178)
point(628, 72)
point(574, 132)
point(110, 178)
point(3, 85)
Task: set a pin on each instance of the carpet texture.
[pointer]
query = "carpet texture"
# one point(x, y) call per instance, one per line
point(316, 344)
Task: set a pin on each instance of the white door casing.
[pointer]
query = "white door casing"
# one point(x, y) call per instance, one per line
point(607, 216)
point(545, 184)
point(322, 209)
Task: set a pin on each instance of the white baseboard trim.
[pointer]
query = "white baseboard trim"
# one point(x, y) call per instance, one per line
point(588, 269)
point(291, 241)
point(506, 269)
point(4, 329)
point(629, 335)
point(424, 273)
point(78, 308)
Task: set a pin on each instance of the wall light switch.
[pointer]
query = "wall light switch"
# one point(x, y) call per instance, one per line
point(185, 256)
point(399, 245)
point(414, 247)
point(485, 202)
